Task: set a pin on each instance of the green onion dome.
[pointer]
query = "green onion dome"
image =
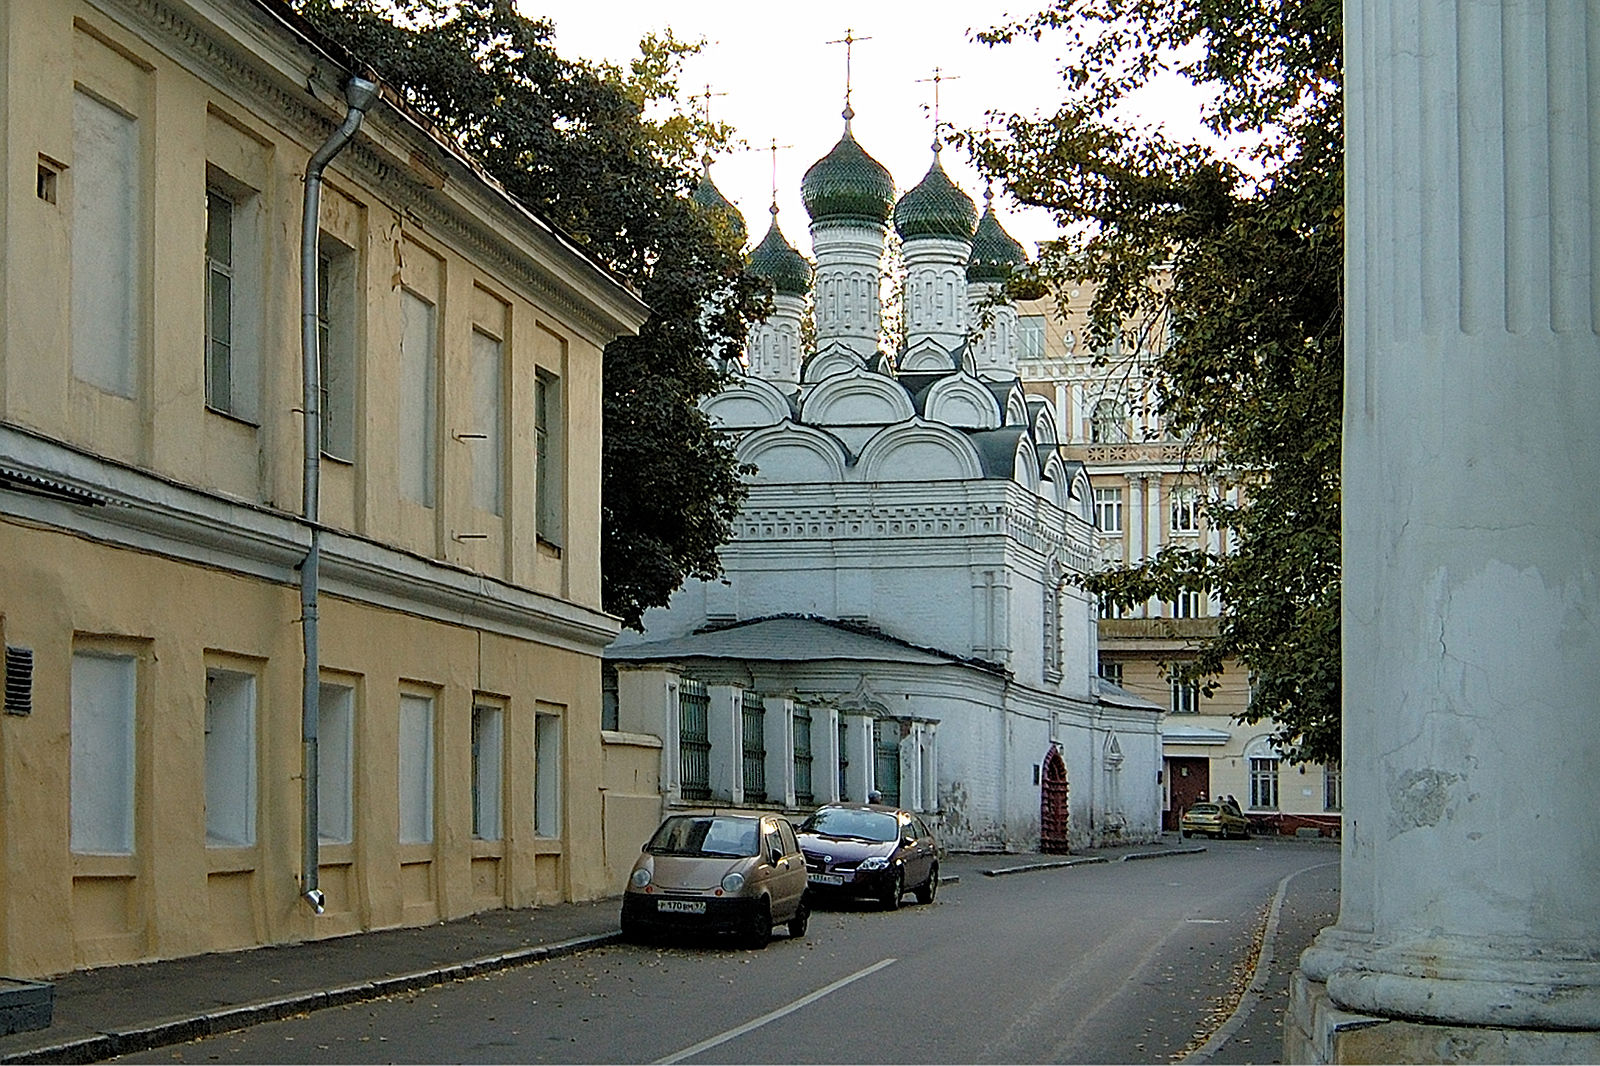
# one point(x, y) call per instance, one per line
point(710, 199)
point(995, 254)
point(776, 260)
point(935, 208)
point(847, 185)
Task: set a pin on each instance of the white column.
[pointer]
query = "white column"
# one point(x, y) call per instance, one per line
point(858, 744)
point(725, 728)
point(1471, 616)
point(647, 702)
point(825, 755)
point(1153, 535)
point(779, 744)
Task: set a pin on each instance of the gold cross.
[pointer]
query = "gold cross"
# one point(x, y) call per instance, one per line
point(848, 40)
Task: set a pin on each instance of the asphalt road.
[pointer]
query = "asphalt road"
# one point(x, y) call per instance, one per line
point(1121, 962)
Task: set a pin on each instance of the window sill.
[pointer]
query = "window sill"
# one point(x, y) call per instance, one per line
point(228, 859)
point(341, 460)
point(547, 846)
point(488, 849)
point(632, 740)
point(89, 865)
point(549, 548)
point(241, 420)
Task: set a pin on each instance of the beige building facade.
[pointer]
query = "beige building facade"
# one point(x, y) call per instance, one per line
point(1148, 493)
point(151, 532)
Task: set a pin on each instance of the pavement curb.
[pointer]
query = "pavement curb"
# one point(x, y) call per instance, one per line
point(1087, 860)
point(112, 1043)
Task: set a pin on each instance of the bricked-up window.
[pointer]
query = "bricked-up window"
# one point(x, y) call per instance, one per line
point(230, 759)
point(548, 483)
point(336, 346)
point(108, 246)
point(104, 697)
point(418, 466)
point(416, 769)
point(547, 786)
point(488, 416)
point(336, 764)
point(488, 753)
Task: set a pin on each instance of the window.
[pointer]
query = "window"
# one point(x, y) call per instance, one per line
point(488, 751)
point(1109, 423)
point(1108, 510)
point(336, 347)
point(230, 759)
point(1030, 336)
point(419, 399)
point(336, 764)
point(1264, 783)
point(1185, 693)
point(104, 695)
point(753, 716)
point(219, 301)
point(548, 483)
point(1111, 610)
point(1185, 511)
point(488, 458)
point(1111, 670)
point(1189, 604)
point(416, 769)
point(108, 260)
point(1332, 787)
point(610, 704)
point(547, 775)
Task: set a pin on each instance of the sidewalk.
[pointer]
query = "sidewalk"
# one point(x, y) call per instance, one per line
point(117, 1010)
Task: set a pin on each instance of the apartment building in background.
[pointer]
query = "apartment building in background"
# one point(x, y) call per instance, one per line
point(151, 529)
point(1148, 493)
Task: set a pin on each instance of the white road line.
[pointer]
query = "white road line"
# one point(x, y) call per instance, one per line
point(772, 1016)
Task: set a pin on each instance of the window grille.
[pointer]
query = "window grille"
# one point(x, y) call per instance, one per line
point(754, 714)
point(887, 779)
point(802, 757)
point(19, 680)
point(694, 739)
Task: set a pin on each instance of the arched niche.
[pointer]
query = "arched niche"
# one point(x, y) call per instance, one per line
point(856, 398)
point(1055, 481)
point(960, 401)
point(835, 359)
point(793, 455)
point(919, 451)
point(752, 403)
point(1025, 464)
point(1043, 415)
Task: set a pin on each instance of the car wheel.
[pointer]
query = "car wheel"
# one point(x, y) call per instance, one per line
point(896, 889)
point(631, 932)
point(1184, 833)
point(802, 916)
point(926, 893)
point(760, 934)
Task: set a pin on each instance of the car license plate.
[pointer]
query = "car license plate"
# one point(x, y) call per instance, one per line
point(825, 879)
point(680, 906)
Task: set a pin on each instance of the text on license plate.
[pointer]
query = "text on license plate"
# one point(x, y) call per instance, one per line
point(825, 879)
point(680, 906)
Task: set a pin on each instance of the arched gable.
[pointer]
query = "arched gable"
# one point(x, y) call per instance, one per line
point(835, 359)
point(1025, 464)
point(792, 454)
point(856, 398)
point(1055, 480)
point(919, 451)
point(752, 403)
point(1043, 414)
point(960, 401)
point(1017, 407)
point(926, 356)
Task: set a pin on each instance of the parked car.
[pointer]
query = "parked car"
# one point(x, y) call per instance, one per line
point(725, 872)
point(1215, 820)
point(861, 849)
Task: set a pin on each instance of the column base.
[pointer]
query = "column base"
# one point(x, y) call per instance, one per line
point(1317, 1030)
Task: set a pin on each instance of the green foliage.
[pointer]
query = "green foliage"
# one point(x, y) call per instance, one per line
point(581, 145)
point(1253, 245)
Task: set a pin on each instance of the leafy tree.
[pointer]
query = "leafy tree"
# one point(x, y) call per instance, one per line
point(578, 143)
point(1253, 243)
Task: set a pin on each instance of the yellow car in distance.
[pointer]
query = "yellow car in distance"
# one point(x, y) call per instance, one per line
point(1220, 820)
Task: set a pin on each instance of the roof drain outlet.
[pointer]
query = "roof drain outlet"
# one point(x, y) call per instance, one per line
point(359, 94)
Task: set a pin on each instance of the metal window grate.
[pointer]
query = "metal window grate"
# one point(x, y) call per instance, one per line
point(19, 680)
point(754, 713)
point(802, 757)
point(694, 739)
point(887, 779)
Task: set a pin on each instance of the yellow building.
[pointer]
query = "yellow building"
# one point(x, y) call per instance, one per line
point(151, 521)
point(1148, 493)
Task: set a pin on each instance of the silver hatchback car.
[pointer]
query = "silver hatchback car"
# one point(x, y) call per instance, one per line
point(724, 872)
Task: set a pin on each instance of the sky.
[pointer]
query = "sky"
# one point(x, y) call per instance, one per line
point(781, 80)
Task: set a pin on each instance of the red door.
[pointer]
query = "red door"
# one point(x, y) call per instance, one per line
point(1053, 795)
point(1189, 782)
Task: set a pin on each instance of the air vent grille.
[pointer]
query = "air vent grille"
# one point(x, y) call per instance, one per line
point(19, 680)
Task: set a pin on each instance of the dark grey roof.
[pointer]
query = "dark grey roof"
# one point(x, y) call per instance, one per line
point(793, 638)
point(1118, 696)
point(997, 448)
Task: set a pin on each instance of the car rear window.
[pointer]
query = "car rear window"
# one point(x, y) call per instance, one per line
point(1204, 808)
point(705, 835)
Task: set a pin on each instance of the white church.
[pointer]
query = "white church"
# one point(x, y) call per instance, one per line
point(897, 616)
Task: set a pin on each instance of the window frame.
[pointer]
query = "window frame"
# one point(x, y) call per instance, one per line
point(338, 281)
point(549, 484)
point(1108, 500)
point(488, 770)
point(232, 758)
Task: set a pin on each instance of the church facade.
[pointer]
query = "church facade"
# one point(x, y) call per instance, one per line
point(897, 614)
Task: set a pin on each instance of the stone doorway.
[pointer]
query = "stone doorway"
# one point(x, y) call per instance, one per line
point(1053, 806)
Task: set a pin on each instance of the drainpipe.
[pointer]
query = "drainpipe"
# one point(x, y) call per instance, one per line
point(359, 93)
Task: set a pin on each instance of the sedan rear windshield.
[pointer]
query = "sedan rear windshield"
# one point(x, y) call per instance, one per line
point(844, 822)
point(1204, 808)
point(705, 835)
